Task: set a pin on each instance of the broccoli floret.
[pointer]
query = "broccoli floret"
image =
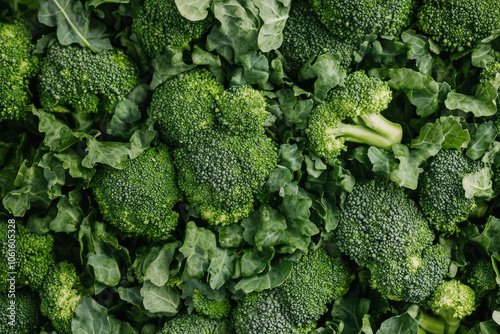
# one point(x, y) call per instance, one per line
point(223, 156)
point(160, 24)
point(139, 199)
point(381, 228)
point(34, 254)
point(305, 36)
point(352, 20)
point(442, 195)
point(60, 296)
point(210, 308)
point(22, 317)
point(18, 65)
point(360, 100)
point(189, 324)
point(481, 277)
point(451, 302)
point(295, 306)
point(457, 25)
point(76, 77)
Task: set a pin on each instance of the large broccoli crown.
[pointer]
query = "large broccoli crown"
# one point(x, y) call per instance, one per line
point(481, 277)
point(457, 25)
point(352, 20)
point(203, 121)
point(76, 77)
point(34, 256)
point(26, 310)
point(360, 100)
point(18, 64)
point(58, 296)
point(159, 25)
point(442, 196)
point(189, 323)
point(295, 306)
point(305, 36)
point(139, 199)
point(211, 308)
point(381, 228)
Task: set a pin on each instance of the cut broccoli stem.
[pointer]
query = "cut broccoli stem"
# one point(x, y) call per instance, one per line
point(361, 134)
point(382, 125)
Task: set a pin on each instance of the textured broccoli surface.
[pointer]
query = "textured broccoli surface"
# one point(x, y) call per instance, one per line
point(25, 310)
point(34, 254)
point(481, 277)
point(159, 25)
point(352, 20)
point(211, 308)
point(359, 101)
point(442, 196)
point(59, 296)
point(305, 36)
point(381, 228)
point(189, 324)
point(457, 25)
point(18, 65)
point(75, 77)
point(295, 306)
point(139, 199)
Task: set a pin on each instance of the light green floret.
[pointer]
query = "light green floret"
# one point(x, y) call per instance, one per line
point(211, 308)
point(18, 65)
point(160, 24)
point(352, 113)
point(481, 277)
point(27, 313)
point(59, 296)
point(33, 258)
point(442, 195)
point(184, 105)
point(139, 199)
point(189, 324)
point(305, 36)
point(457, 25)
point(352, 20)
point(87, 82)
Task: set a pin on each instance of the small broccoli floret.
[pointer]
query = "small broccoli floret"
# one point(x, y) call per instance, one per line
point(211, 308)
point(360, 100)
point(34, 254)
point(189, 323)
point(305, 36)
point(481, 277)
point(25, 311)
point(139, 199)
point(452, 301)
point(352, 20)
point(75, 77)
point(457, 25)
point(18, 65)
point(160, 24)
point(59, 296)
point(381, 228)
point(295, 306)
point(442, 196)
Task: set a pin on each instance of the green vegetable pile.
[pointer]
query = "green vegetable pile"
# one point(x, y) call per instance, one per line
point(249, 166)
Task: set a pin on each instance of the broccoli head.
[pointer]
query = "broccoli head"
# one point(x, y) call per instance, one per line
point(160, 24)
point(304, 36)
point(18, 65)
point(359, 101)
point(60, 296)
point(88, 82)
point(210, 308)
point(457, 25)
point(481, 277)
point(189, 323)
point(139, 199)
point(442, 195)
point(34, 254)
point(382, 229)
point(25, 311)
point(352, 20)
point(296, 305)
